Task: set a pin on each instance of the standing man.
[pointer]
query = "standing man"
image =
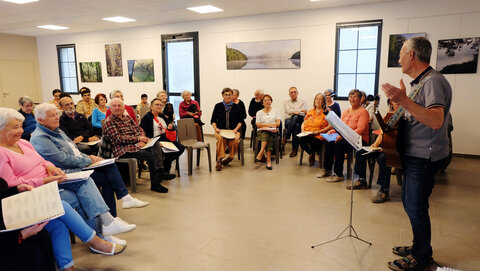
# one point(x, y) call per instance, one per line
point(295, 110)
point(426, 145)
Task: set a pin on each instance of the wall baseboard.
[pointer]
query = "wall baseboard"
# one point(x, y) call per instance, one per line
point(474, 156)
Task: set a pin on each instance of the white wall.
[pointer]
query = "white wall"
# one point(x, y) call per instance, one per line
point(440, 19)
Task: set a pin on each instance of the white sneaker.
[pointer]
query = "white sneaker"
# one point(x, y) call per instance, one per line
point(123, 221)
point(116, 240)
point(335, 179)
point(134, 203)
point(116, 227)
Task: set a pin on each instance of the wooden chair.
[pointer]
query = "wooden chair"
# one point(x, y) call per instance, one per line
point(187, 136)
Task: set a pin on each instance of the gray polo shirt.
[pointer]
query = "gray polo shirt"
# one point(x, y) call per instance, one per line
point(420, 140)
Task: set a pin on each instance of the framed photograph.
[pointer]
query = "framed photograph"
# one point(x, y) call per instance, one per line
point(90, 72)
point(140, 70)
point(457, 55)
point(113, 54)
point(395, 44)
point(276, 54)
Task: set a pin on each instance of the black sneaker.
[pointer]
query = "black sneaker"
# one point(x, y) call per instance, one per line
point(166, 176)
point(159, 188)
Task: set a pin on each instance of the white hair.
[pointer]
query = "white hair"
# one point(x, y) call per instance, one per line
point(259, 91)
point(41, 110)
point(160, 92)
point(112, 94)
point(185, 92)
point(7, 114)
point(25, 100)
point(117, 100)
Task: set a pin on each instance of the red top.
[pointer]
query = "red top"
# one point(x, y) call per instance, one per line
point(182, 108)
point(130, 112)
point(358, 121)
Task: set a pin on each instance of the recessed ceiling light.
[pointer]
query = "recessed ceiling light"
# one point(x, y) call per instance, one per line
point(119, 19)
point(20, 1)
point(205, 9)
point(53, 27)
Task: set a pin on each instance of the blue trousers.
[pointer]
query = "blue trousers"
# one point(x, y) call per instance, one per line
point(58, 230)
point(85, 198)
point(417, 188)
point(293, 126)
point(111, 183)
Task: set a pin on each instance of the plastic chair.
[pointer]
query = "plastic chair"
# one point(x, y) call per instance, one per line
point(187, 136)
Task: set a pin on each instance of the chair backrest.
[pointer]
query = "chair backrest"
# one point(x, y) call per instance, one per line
point(186, 130)
point(144, 111)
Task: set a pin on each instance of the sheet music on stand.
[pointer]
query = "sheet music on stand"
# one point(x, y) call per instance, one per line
point(344, 130)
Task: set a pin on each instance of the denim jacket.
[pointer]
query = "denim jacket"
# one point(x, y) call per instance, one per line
point(53, 146)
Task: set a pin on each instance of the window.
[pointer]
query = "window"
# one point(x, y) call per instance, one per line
point(180, 67)
point(357, 57)
point(67, 68)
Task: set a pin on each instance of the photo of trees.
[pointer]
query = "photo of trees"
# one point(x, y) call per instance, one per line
point(458, 55)
point(140, 70)
point(90, 72)
point(113, 54)
point(395, 44)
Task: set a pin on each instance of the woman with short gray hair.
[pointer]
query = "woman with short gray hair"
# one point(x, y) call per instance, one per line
point(29, 124)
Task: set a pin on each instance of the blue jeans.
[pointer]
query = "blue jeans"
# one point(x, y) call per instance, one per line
point(417, 187)
point(111, 183)
point(383, 171)
point(58, 230)
point(85, 198)
point(293, 126)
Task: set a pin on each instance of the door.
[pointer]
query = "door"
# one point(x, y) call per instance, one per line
point(17, 79)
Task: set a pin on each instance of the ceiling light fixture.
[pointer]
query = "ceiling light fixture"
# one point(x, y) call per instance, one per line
point(119, 19)
point(53, 27)
point(20, 1)
point(205, 9)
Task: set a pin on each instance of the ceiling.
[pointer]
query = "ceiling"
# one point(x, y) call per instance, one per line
point(86, 15)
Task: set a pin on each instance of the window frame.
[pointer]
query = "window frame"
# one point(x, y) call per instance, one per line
point(60, 74)
point(357, 24)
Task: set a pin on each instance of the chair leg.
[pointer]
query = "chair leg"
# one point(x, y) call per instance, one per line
point(277, 150)
point(177, 166)
point(371, 166)
point(198, 157)
point(190, 162)
point(301, 155)
point(132, 168)
point(209, 158)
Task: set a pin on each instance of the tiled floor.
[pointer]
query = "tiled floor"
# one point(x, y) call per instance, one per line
point(243, 219)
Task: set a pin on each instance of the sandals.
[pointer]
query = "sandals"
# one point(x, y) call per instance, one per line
point(116, 249)
point(402, 251)
point(408, 264)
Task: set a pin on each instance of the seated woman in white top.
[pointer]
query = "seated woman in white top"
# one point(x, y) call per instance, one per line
point(267, 121)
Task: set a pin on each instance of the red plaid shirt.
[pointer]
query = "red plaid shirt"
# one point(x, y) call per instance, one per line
point(123, 134)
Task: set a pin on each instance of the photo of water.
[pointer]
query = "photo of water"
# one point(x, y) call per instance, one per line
point(279, 54)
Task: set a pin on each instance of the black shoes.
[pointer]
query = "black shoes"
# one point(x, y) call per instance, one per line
point(159, 188)
point(166, 176)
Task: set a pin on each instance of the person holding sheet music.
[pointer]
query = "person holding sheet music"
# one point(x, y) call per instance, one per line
point(128, 139)
point(54, 146)
point(426, 145)
point(226, 115)
point(154, 125)
point(314, 123)
point(267, 122)
point(76, 126)
point(356, 117)
point(384, 172)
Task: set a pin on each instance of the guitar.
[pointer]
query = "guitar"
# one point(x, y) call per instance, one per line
point(391, 142)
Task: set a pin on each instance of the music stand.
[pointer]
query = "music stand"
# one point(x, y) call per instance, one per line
point(355, 140)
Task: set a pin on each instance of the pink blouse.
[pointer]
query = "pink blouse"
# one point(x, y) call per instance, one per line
point(27, 168)
point(358, 121)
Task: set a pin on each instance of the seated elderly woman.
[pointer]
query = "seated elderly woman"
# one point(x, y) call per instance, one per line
point(226, 115)
point(154, 124)
point(21, 164)
point(356, 118)
point(191, 109)
point(56, 147)
point(99, 113)
point(314, 124)
point(267, 121)
point(26, 109)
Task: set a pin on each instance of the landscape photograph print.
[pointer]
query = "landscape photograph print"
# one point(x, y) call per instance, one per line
point(458, 55)
point(140, 70)
point(276, 54)
point(113, 54)
point(90, 72)
point(395, 44)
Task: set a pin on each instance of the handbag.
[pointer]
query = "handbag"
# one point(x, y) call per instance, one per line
point(170, 134)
